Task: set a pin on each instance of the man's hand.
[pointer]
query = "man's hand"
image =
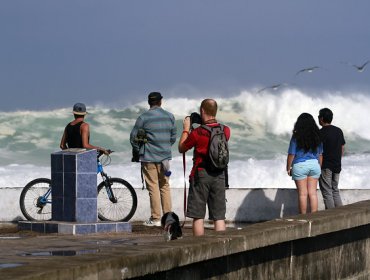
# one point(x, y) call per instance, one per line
point(186, 124)
point(185, 134)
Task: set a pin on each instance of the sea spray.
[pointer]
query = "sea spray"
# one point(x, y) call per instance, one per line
point(261, 126)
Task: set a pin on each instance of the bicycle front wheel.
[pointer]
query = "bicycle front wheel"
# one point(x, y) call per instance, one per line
point(34, 204)
point(123, 207)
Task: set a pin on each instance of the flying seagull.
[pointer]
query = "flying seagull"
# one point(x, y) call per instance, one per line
point(274, 87)
point(360, 68)
point(309, 70)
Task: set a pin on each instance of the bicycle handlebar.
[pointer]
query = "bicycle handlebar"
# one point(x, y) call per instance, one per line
point(100, 153)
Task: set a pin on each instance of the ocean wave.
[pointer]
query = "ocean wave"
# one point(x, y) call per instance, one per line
point(249, 173)
point(261, 124)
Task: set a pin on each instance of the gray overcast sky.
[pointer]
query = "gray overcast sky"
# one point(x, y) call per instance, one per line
point(53, 53)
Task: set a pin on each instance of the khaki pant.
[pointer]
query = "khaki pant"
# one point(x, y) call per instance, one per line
point(159, 189)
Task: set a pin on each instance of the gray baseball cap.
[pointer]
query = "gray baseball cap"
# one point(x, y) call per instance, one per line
point(79, 109)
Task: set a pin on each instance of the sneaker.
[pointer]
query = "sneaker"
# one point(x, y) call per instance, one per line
point(152, 223)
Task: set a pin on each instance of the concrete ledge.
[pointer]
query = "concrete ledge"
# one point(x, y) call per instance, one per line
point(266, 235)
point(331, 244)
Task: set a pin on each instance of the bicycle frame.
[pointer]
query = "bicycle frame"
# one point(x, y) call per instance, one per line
point(107, 183)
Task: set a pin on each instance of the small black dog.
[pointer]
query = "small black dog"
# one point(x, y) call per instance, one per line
point(171, 226)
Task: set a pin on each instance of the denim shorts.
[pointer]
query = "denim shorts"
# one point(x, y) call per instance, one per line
point(308, 168)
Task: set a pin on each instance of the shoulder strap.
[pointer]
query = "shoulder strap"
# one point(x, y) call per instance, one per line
point(209, 128)
point(184, 167)
point(206, 127)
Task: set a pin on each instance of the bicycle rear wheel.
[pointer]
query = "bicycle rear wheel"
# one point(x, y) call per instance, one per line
point(121, 210)
point(34, 205)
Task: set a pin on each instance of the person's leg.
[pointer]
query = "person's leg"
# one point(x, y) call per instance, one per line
point(196, 205)
point(219, 225)
point(336, 195)
point(325, 183)
point(151, 180)
point(198, 227)
point(312, 193)
point(217, 201)
point(302, 195)
point(165, 191)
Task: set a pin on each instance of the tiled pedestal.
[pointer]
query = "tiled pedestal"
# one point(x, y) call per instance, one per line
point(74, 196)
point(74, 191)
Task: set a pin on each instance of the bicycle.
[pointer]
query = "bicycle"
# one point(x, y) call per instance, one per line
point(117, 200)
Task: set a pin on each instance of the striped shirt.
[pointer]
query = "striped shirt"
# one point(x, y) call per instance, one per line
point(159, 126)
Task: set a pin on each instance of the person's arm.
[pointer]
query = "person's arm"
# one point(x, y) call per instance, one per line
point(289, 162)
point(138, 124)
point(342, 150)
point(291, 155)
point(63, 141)
point(321, 150)
point(320, 160)
point(85, 132)
point(173, 131)
point(184, 135)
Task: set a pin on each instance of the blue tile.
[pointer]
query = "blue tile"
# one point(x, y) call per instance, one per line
point(38, 226)
point(87, 162)
point(51, 227)
point(105, 227)
point(86, 210)
point(57, 209)
point(69, 209)
point(70, 184)
point(69, 162)
point(85, 229)
point(87, 185)
point(24, 225)
point(57, 162)
point(74, 186)
point(58, 184)
point(124, 227)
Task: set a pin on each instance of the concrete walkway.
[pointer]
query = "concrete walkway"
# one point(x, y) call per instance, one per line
point(27, 255)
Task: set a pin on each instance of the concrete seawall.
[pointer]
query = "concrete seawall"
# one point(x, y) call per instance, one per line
point(330, 244)
point(243, 205)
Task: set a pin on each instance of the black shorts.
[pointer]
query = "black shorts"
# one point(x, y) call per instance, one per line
point(207, 188)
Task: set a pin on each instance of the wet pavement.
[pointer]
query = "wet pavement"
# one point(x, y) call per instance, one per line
point(31, 255)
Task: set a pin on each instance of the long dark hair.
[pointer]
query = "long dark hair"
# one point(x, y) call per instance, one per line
point(306, 132)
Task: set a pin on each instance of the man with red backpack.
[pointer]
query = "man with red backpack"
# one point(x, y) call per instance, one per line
point(207, 177)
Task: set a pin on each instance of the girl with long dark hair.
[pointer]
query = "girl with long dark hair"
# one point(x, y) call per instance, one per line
point(304, 161)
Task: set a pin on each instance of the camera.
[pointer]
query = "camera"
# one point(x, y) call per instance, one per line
point(195, 118)
point(141, 140)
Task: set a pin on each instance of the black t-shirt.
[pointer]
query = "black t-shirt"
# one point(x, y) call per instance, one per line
point(74, 139)
point(333, 140)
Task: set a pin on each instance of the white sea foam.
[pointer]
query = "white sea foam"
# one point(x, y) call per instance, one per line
point(261, 125)
point(251, 173)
